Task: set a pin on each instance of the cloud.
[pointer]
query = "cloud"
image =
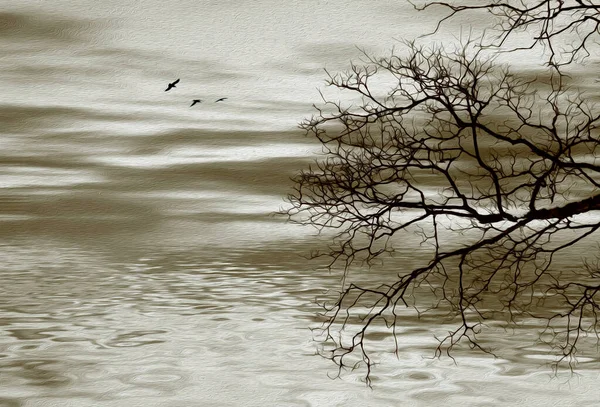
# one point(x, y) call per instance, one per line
point(20, 27)
point(155, 63)
point(41, 49)
point(19, 119)
point(314, 58)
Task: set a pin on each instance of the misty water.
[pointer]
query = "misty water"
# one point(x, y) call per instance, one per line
point(140, 261)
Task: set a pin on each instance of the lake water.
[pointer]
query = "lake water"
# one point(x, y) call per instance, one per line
point(140, 264)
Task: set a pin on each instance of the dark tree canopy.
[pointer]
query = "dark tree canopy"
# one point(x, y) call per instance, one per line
point(498, 174)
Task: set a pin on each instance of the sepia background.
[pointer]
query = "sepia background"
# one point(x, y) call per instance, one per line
point(140, 262)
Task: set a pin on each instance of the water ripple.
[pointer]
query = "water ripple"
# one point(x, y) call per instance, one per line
point(165, 326)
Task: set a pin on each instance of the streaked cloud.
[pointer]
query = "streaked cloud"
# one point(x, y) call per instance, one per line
point(19, 28)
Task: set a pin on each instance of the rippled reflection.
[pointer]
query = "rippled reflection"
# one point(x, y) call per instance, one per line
point(216, 325)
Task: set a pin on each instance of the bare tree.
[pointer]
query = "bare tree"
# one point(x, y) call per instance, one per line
point(496, 174)
point(567, 28)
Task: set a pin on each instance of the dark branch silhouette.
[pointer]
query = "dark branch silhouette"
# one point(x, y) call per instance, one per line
point(567, 28)
point(195, 101)
point(172, 85)
point(494, 173)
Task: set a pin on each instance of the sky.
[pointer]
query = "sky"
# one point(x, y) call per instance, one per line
point(268, 57)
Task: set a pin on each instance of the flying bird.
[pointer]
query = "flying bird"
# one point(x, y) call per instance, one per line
point(220, 100)
point(172, 85)
point(195, 101)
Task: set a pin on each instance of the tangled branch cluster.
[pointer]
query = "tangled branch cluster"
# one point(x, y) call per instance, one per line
point(499, 175)
point(567, 28)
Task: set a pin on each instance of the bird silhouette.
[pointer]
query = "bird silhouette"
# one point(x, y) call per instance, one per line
point(172, 85)
point(220, 100)
point(195, 101)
